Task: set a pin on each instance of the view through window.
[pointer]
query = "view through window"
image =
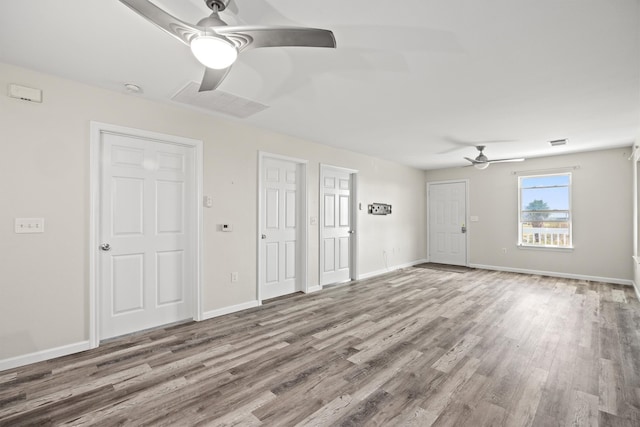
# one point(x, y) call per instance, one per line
point(545, 211)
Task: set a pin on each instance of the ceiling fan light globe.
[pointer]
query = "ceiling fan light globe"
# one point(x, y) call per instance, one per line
point(214, 52)
point(481, 165)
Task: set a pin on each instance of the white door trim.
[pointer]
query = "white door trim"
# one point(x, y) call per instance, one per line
point(303, 283)
point(96, 130)
point(466, 219)
point(353, 257)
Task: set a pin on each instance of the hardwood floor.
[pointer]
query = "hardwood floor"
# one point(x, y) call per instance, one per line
point(416, 347)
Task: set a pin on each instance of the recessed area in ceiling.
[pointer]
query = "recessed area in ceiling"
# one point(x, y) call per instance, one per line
point(218, 101)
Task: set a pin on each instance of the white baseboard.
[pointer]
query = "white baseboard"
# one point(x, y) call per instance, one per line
point(65, 350)
point(390, 269)
point(39, 356)
point(555, 274)
point(635, 288)
point(231, 309)
point(311, 289)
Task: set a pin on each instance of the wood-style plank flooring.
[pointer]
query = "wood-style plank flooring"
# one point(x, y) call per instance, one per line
point(416, 347)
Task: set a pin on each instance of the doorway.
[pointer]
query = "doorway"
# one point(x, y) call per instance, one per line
point(447, 219)
point(338, 225)
point(145, 231)
point(282, 225)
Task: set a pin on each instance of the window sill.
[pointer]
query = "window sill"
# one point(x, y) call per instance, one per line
point(546, 248)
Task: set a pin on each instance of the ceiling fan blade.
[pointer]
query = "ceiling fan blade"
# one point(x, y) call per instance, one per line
point(252, 37)
point(212, 78)
point(521, 159)
point(169, 23)
point(473, 161)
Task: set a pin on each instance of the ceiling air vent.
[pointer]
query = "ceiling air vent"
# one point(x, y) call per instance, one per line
point(558, 142)
point(218, 101)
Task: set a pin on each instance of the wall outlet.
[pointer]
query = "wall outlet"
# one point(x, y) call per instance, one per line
point(234, 277)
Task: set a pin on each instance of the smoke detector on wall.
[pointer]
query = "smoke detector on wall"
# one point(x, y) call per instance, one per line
point(25, 93)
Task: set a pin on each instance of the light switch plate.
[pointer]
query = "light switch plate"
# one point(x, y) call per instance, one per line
point(29, 225)
point(475, 219)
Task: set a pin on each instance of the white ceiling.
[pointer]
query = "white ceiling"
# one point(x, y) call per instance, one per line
point(414, 81)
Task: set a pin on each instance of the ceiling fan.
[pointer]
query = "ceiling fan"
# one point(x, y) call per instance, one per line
point(217, 45)
point(483, 162)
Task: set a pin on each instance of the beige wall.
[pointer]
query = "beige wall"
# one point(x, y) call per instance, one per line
point(602, 215)
point(44, 172)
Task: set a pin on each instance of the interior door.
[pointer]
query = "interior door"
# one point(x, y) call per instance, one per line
point(147, 266)
point(336, 228)
point(447, 223)
point(279, 217)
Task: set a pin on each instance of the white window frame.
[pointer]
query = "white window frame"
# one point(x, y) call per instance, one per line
point(522, 244)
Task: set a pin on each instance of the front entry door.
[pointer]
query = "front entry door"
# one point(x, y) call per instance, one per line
point(279, 223)
point(336, 228)
point(447, 223)
point(147, 261)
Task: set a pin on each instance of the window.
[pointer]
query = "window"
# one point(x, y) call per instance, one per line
point(545, 211)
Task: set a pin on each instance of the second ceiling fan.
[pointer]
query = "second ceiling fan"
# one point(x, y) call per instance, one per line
point(483, 162)
point(217, 45)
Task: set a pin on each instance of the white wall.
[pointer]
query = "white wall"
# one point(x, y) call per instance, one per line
point(44, 172)
point(602, 216)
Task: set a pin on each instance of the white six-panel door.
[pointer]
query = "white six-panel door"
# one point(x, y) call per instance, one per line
point(336, 228)
point(146, 263)
point(447, 223)
point(279, 217)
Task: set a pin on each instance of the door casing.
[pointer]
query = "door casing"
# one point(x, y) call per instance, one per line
point(353, 217)
point(303, 282)
point(466, 236)
point(95, 159)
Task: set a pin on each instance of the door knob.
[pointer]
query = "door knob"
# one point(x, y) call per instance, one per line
point(264, 236)
point(352, 231)
point(105, 247)
point(464, 229)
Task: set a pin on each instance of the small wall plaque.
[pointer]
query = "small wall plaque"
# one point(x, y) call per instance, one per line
point(379, 209)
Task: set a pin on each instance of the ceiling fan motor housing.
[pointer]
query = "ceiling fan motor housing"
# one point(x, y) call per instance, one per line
point(217, 5)
point(481, 157)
